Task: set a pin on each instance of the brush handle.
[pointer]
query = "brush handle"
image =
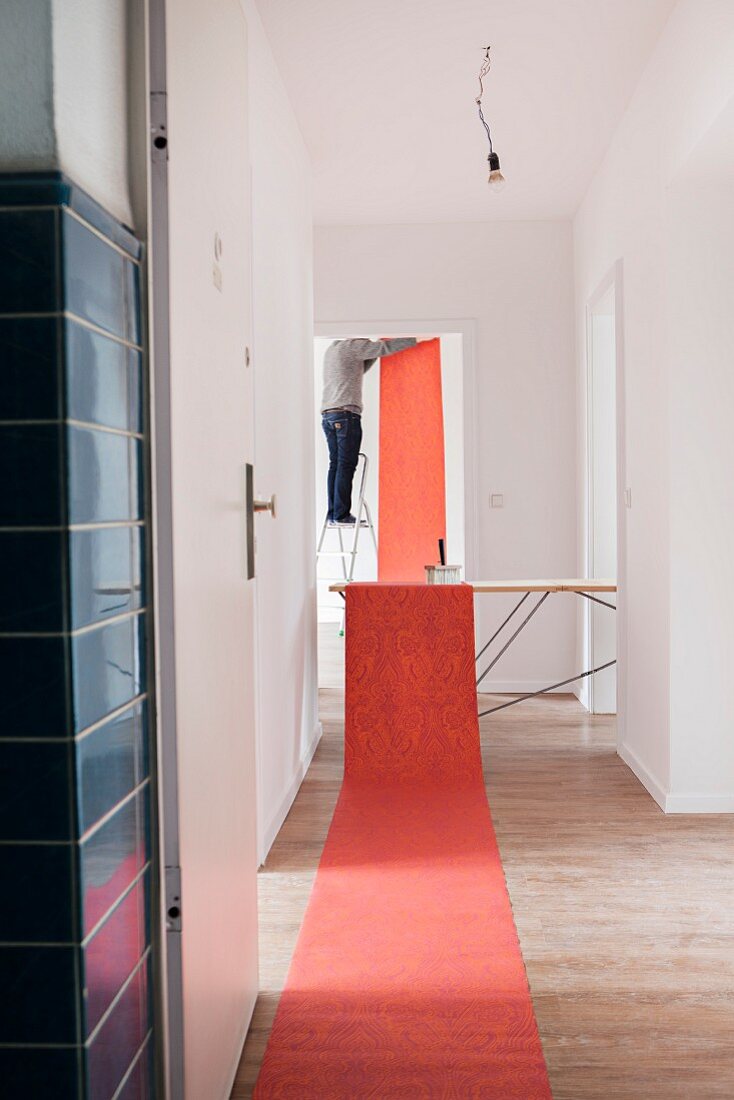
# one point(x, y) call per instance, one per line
point(442, 551)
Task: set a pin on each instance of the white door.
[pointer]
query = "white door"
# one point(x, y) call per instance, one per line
point(603, 495)
point(211, 440)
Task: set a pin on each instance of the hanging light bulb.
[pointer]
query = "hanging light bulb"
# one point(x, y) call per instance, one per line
point(496, 180)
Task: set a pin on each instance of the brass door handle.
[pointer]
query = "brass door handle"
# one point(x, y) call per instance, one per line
point(265, 506)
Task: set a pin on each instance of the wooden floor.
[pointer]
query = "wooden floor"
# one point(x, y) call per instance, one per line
point(625, 916)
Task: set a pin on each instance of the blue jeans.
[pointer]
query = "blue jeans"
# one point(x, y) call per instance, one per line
point(343, 431)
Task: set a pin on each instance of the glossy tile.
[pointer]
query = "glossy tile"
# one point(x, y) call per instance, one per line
point(137, 381)
point(139, 593)
point(39, 1001)
point(111, 858)
point(106, 670)
point(56, 189)
point(42, 885)
point(102, 574)
point(51, 1072)
point(86, 207)
point(28, 261)
point(113, 953)
point(35, 792)
point(31, 581)
point(102, 379)
point(119, 1039)
point(34, 687)
point(32, 189)
point(140, 1083)
point(31, 484)
point(29, 368)
point(100, 285)
point(111, 762)
point(99, 477)
point(137, 478)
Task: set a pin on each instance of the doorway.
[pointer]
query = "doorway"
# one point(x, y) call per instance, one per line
point(602, 479)
point(459, 411)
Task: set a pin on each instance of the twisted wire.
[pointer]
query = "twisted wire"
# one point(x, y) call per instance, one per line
point(486, 65)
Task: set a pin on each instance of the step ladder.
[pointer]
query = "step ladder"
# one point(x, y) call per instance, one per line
point(348, 555)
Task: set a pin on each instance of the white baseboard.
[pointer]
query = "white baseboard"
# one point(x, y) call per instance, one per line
point(273, 827)
point(699, 804)
point(648, 780)
point(691, 802)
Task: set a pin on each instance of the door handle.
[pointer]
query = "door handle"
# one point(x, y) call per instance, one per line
point(265, 506)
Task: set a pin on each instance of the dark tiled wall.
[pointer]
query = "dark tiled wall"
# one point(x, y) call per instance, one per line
point(75, 789)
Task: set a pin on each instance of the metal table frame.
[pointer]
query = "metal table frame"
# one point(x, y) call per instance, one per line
point(543, 594)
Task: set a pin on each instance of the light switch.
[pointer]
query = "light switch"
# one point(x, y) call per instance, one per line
point(497, 500)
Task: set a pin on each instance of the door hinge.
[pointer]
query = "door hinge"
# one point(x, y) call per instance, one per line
point(173, 899)
point(158, 127)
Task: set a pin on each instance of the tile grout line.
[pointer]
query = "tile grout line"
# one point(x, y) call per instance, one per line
point(133, 1064)
point(65, 208)
point(115, 905)
point(76, 737)
point(87, 425)
point(102, 526)
point(82, 321)
point(92, 831)
point(118, 997)
point(90, 628)
point(129, 797)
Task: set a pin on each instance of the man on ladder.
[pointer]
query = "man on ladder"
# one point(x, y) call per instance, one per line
point(345, 364)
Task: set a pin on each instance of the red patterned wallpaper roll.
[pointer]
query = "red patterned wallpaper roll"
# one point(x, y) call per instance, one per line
point(411, 476)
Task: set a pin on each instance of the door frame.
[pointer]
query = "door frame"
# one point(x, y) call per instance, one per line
point(613, 280)
point(466, 328)
point(168, 990)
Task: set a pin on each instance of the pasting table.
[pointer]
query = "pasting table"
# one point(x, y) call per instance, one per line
point(537, 592)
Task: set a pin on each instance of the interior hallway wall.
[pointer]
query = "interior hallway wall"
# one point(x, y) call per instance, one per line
point(288, 728)
point(701, 249)
point(515, 279)
point(686, 85)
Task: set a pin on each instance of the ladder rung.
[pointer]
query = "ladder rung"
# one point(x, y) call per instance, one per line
point(335, 553)
point(347, 526)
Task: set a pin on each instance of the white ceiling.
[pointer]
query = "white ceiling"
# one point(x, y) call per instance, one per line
point(384, 92)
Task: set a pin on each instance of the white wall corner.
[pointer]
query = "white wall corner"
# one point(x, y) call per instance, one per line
point(648, 780)
point(272, 828)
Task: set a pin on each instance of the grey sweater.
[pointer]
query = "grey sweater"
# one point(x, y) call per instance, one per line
point(345, 363)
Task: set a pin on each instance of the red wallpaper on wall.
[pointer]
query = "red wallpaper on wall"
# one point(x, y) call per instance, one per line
point(412, 502)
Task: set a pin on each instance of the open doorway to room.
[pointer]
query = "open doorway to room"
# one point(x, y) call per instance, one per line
point(457, 386)
point(603, 404)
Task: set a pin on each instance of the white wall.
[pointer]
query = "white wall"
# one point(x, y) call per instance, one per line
point(64, 94)
point(288, 728)
point(701, 288)
point(27, 132)
point(686, 85)
point(515, 279)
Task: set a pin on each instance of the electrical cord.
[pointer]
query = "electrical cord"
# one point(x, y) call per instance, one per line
point(486, 65)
